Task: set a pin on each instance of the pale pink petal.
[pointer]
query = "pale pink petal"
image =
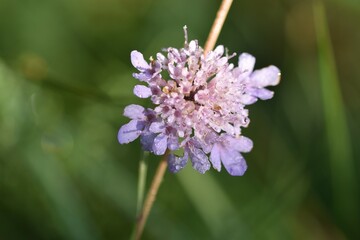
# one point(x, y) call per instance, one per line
point(215, 157)
point(138, 61)
point(262, 93)
point(269, 76)
point(240, 144)
point(134, 111)
point(142, 91)
point(246, 64)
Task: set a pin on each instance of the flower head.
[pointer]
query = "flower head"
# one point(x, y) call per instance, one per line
point(200, 106)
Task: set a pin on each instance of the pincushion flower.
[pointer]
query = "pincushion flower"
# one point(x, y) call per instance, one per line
point(199, 106)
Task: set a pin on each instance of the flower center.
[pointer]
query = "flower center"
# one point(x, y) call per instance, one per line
point(191, 96)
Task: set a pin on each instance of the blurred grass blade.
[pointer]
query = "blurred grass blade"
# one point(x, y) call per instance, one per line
point(212, 203)
point(345, 195)
point(71, 211)
point(141, 181)
point(141, 187)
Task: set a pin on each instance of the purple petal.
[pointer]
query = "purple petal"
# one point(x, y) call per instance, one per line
point(247, 99)
point(177, 163)
point(134, 111)
point(173, 143)
point(262, 93)
point(215, 157)
point(246, 63)
point(147, 141)
point(174, 54)
point(199, 160)
point(161, 58)
point(241, 144)
point(211, 137)
point(233, 162)
point(269, 76)
point(175, 72)
point(219, 50)
point(144, 77)
point(157, 127)
point(160, 144)
point(138, 61)
point(193, 46)
point(209, 140)
point(142, 91)
point(195, 143)
point(130, 131)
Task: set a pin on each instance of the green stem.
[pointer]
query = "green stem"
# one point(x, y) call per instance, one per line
point(150, 197)
point(142, 181)
point(141, 187)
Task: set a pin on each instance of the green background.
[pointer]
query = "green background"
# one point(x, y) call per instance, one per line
point(65, 78)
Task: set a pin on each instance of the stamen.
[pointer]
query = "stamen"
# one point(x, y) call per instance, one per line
point(186, 36)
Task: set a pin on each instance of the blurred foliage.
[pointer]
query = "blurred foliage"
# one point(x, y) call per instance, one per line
point(65, 77)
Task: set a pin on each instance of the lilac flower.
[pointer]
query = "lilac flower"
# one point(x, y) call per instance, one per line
point(139, 125)
point(227, 150)
point(200, 106)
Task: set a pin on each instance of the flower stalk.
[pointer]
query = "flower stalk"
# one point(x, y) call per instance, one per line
point(150, 198)
point(217, 25)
